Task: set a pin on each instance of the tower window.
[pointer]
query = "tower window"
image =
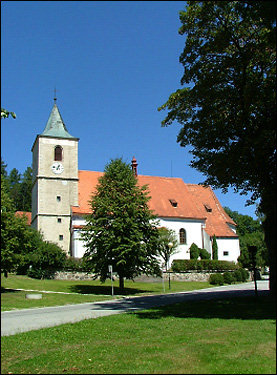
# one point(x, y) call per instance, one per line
point(58, 154)
point(59, 220)
point(60, 237)
point(58, 198)
point(182, 236)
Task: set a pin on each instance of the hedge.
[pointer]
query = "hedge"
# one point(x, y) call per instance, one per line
point(239, 275)
point(181, 265)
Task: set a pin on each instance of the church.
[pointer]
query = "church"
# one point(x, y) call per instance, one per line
point(61, 194)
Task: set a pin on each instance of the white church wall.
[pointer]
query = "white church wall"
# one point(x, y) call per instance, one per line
point(228, 249)
point(193, 230)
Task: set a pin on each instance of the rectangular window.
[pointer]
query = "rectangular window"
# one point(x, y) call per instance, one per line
point(60, 237)
point(225, 253)
point(58, 198)
point(59, 220)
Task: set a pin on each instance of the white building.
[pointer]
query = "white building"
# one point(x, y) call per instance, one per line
point(61, 194)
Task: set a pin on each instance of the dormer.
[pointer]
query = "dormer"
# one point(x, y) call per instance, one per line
point(173, 202)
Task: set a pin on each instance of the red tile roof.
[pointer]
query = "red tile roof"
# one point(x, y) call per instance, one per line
point(170, 198)
point(27, 214)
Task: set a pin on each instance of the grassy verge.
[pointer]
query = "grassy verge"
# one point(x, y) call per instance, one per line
point(235, 336)
point(81, 291)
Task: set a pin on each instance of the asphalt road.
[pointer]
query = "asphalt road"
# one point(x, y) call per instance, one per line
point(17, 321)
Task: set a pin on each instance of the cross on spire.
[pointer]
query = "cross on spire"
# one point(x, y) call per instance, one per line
point(55, 95)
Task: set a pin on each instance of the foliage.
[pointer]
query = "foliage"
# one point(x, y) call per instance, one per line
point(194, 251)
point(73, 264)
point(250, 233)
point(216, 279)
point(5, 113)
point(214, 248)
point(165, 237)
point(121, 231)
point(204, 254)
point(21, 245)
point(228, 277)
point(45, 260)
point(12, 233)
point(182, 265)
point(19, 187)
point(228, 108)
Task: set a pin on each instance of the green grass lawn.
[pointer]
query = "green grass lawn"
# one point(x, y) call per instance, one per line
point(81, 290)
point(236, 336)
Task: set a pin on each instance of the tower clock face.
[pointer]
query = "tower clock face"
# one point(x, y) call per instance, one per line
point(57, 167)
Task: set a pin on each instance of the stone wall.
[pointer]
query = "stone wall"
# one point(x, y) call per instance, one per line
point(182, 276)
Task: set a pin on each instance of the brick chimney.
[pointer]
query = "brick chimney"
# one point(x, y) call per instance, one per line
point(135, 166)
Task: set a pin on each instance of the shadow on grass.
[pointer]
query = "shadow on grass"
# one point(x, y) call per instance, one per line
point(223, 305)
point(7, 290)
point(245, 308)
point(104, 289)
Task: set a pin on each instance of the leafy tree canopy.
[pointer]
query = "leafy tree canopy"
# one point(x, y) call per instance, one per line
point(5, 113)
point(227, 108)
point(121, 230)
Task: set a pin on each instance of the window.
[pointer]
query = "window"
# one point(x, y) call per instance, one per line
point(182, 236)
point(58, 155)
point(225, 253)
point(59, 220)
point(58, 198)
point(61, 237)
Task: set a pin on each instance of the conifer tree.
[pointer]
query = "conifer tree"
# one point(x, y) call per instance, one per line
point(214, 248)
point(121, 230)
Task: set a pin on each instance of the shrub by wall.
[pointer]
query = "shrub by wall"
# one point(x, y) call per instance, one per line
point(216, 279)
point(228, 277)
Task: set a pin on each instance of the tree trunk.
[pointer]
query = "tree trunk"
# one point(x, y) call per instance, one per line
point(269, 226)
point(121, 282)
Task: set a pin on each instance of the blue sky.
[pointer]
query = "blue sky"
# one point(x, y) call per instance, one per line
point(113, 63)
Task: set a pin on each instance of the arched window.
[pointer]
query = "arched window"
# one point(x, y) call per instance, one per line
point(58, 156)
point(182, 236)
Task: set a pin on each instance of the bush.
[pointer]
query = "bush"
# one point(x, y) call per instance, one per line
point(228, 277)
point(216, 279)
point(241, 275)
point(204, 254)
point(73, 264)
point(194, 251)
point(47, 259)
point(244, 273)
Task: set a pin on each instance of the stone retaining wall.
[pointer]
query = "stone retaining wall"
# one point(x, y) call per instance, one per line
point(182, 276)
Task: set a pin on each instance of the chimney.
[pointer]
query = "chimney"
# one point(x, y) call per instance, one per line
point(135, 166)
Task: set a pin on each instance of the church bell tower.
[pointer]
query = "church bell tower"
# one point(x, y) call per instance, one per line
point(55, 180)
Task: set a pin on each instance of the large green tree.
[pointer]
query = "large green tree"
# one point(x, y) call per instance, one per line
point(23, 246)
point(227, 108)
point(121, 229)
